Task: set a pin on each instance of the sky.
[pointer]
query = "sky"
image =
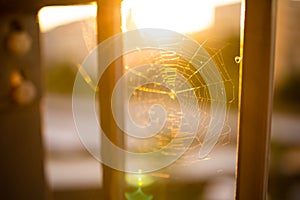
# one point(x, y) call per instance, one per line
point(183, 15)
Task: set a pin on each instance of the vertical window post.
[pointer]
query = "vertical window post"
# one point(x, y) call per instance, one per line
point(256, 92)
point(109, 24)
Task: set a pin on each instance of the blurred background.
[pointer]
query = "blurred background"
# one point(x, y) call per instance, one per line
point(69, 33)
point(285, 152)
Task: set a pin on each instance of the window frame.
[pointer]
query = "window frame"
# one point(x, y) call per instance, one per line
point(256, 99)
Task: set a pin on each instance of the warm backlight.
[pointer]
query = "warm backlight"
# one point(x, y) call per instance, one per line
point(183, 16)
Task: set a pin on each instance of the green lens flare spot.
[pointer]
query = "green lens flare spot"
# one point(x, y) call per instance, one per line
point(138, 195)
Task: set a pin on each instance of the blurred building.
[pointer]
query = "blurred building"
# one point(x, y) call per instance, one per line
point(287, 59)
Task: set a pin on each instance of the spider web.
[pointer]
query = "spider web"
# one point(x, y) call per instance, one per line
point(150, 94)
point(147, 95)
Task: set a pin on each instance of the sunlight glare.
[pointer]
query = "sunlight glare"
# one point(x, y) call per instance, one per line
point(176, 15)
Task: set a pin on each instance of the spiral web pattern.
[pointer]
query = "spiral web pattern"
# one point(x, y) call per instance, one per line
point(150, 94)
point(174, 94)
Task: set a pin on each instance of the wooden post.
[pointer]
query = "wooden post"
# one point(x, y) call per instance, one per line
point(256, 92)
point(109, 24)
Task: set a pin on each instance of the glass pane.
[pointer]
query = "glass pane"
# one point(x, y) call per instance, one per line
point(195, 82)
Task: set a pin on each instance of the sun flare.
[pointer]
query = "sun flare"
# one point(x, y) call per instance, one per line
point(176, 15)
